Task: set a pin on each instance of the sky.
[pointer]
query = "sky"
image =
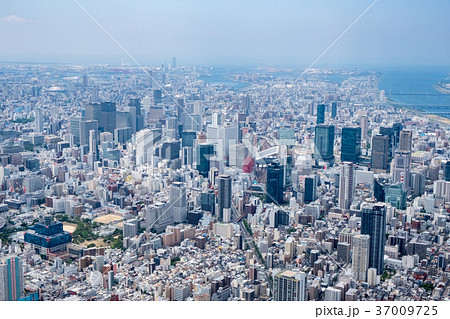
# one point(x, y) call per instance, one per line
point(202, 32)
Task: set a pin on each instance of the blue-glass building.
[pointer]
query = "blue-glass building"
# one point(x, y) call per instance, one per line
point(351, 144)
point(274, 183)
point(48, 236)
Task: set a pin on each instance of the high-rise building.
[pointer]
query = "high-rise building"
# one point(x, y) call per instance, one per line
point(380, 152)
point(93, 145)
point(224, 197)
point(346, 185)
point(146, 140)
point(320, 114)
point(38, 121)
point(360, 257)
point(333, 110)
point(246, 104)
point(11, 279)
point(373, 223)
point(177, 199)
point(104, 113)
point(351, 144)
point(274, 183)
point(157, 97)
point(364, 122)
point(136, 118)
point(405, 142)
point(289, 285)
point(401, 166)
point(174, 63)
point(324, 142)
point(447, 171)
point(204, 153)
point(310, 189)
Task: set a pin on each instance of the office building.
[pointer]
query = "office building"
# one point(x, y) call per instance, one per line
point(274, 183)
point(320, 114)
point(351, 144)
point(324, 143)
point(373, 223)
point(204, 154)
point(401, 166)
point(405, 142)
point(380, 152)
point(334, 109)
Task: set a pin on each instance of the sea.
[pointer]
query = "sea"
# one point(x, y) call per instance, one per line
point(413, 87)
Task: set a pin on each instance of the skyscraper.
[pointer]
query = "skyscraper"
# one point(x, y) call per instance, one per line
point(380, 152)
point(204, 153)
point(405, 140)
point(177, 199)
point(289, 285)
point(346, 185)
point(224, 197)
point(324, 142)
point(373, 223)
point(360, 257)
point(136, 119)
point(401, 166)
point(11, 279)
point(320, 114)
point(310, 189)
point(174, 63)
point(93, 147)
point(333, 109)
point(157, 96)
point(364, 127)
point(38, 121)
point(274, 183)
point(351, 144)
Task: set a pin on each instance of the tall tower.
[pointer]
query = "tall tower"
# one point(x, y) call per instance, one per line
point(177, 198)
point(373, 223)
point(11, 279)
point(351, 144)
point(93, 148)
point(364, 127)
point(405, 143)
point(380, 152)
point(274, 183)
point(401, 167)
point(320, 114)
point(360, 258)
point(224, 198)
point(38, 121)
point(333, 109)
point(324, 142)
point(346, 185)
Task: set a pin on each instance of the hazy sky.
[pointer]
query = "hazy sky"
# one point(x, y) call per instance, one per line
point(279, 32)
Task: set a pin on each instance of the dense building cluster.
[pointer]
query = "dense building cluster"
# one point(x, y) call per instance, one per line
point(122, 183)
